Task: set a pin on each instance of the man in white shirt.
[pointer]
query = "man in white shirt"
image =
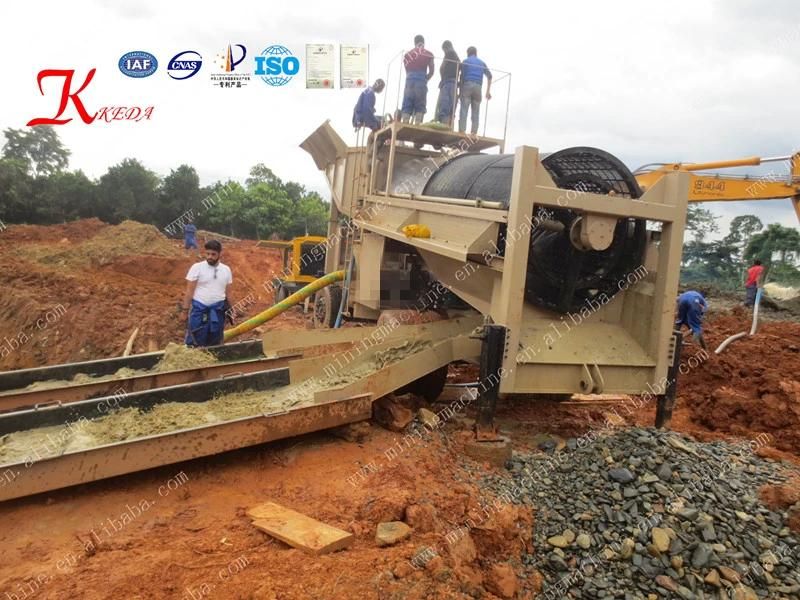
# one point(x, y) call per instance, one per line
point(207, 290)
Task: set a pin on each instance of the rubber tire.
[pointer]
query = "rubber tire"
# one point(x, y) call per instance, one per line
point(428, 386)
point(326, 307)
point(281, 294)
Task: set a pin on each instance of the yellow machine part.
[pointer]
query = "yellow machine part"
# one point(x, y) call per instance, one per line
point(284, 305)
point(292, 255)
point(721, 188)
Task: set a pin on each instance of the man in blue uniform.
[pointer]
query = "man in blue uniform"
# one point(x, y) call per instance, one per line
point(364, 111)
point(691, 308)
point(189, 232)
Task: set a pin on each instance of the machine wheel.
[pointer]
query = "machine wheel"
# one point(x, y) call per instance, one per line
point(429, 386)
point(326, 306)
point(281, 293)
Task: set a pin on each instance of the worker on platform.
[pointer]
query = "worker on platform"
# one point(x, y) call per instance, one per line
point(419, 69)
point(448, 72)
point(691, 308)
point(755, 275)
point(207, 297)
point(473, 70)
point(364, 111)
point(189, 233)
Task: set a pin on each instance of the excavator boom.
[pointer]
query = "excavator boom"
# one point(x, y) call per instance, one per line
point(714, 187)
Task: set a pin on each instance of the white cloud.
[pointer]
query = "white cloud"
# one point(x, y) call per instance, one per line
point(704, 80)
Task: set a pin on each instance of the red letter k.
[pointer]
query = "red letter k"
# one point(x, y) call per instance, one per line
point(65, 96)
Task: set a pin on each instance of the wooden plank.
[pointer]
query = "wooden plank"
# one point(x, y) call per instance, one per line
point(298, 530)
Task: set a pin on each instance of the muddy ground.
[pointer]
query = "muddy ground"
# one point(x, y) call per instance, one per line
point(181, 531)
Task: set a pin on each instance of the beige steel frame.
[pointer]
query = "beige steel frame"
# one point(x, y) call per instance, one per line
point(621, 347)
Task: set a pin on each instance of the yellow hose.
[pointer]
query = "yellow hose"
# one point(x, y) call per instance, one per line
point(284, 305)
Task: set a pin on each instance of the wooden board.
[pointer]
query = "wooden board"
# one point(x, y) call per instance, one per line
point(298, 530)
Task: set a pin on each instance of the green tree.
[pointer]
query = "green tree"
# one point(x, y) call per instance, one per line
point(66, 196)
point(701, 222)
point(17, 204)
point(260, 173)
point(774, 240)
point(741, 230)
point(39, 147)
point(180, 191)
point(310, 216)
point(224, 215)
point(128, 190)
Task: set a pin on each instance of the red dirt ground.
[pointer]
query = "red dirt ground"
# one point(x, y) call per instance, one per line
point(103, 303)
point(177, 546)
point(751, 388)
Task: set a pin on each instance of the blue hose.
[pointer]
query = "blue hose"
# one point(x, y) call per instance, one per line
point(345, 292)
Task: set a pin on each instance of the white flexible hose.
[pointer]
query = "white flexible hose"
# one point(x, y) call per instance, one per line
point(755, 311)
point(728, 340)
point(753, 327)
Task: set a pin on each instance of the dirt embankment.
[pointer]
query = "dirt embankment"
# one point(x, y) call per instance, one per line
point(749, 390)
point(76, 291)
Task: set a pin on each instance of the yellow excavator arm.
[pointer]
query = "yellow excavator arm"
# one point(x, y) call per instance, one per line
point(712, 187)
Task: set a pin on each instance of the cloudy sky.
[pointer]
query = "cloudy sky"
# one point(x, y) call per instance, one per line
point(695, 81)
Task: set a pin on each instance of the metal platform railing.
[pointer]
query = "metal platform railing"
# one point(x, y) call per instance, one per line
point(500, 95)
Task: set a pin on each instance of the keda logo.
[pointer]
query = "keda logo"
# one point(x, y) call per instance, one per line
point(277, 65)
point(184, 65)
point(227, 76)
point(138, 64)
point(106, 113)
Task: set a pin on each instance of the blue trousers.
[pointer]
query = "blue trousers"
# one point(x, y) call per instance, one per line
point(415, 96)
point(444, 107)
point(689, 314)
point(206, 324)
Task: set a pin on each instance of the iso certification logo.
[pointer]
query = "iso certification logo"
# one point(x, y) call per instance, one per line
point(277, 65)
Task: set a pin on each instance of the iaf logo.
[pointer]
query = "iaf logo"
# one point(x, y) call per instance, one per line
point(276, 65)
point(138, 64)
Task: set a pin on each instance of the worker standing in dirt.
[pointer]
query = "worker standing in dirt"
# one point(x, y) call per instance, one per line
point(473, 69)
point(364, 111)
point(448, 72)
point(419, 69)
point(207, 297)
point(753, 281)
point(189, 232)
point(691, 308)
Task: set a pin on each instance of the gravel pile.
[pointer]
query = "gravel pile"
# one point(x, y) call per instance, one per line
point(650, 514)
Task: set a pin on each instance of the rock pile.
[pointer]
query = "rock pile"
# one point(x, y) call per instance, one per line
point(650, 514)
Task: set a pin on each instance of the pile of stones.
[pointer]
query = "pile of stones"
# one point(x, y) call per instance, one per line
point(643, 513)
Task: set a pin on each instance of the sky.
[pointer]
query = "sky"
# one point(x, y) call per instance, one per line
point(698, 81)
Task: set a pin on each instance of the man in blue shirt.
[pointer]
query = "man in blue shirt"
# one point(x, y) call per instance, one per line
point(691, 308)
point(364, 111)
point(472, 71)
point(189, 231)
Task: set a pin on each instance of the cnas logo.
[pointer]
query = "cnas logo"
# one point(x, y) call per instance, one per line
point(106, 113)
point(277, 65)
point(138, 64)
point(184, 65)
